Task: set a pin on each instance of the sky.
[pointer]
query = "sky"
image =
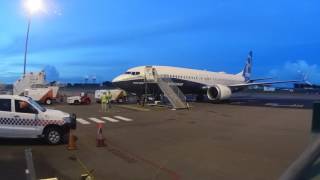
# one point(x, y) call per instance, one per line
point(75, 39)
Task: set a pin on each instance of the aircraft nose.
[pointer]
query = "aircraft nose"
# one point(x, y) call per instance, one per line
point(119, 81)
point(116, 79)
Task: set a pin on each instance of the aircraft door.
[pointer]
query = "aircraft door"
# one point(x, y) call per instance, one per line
point(150, 73)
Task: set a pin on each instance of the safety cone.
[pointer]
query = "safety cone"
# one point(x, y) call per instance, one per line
point(100, 138)
point(72, 142)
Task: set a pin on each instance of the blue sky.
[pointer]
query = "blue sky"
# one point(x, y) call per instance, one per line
point(77, 38)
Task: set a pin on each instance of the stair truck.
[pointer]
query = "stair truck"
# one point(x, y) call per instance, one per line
point(34, 85)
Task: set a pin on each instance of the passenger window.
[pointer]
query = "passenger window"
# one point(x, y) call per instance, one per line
point(5, 105)
point(137, 73)
point(24, 107)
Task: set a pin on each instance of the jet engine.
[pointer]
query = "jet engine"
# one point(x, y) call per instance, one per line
point(218, 92)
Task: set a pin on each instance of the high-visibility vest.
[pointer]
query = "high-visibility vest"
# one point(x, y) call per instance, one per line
point(104, 98)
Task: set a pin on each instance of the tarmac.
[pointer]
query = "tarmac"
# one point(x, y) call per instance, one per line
point(231, 140)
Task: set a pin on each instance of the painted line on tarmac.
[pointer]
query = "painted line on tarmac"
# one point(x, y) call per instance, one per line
point(237, 103)
point(110, 119)
point(131, 107)
point(82, 121)
point(284, 105)
point(123, 118)
point(271, 104)
point(96, 120)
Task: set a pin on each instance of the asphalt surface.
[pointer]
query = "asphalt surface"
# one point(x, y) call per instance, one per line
point(210, 141)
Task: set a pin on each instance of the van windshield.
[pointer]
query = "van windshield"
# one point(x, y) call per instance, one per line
point(36, 105)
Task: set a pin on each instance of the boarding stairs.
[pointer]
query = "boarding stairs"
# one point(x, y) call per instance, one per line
point(168, 87)
point(27, 81)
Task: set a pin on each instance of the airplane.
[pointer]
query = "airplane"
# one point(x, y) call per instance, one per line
point(217, 86)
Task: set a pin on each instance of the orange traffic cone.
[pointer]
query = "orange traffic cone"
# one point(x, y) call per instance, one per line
point(72, 141)
point(100, 138)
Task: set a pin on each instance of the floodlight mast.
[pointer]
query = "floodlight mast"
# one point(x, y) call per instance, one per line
point(26, 47)
point(32, 7)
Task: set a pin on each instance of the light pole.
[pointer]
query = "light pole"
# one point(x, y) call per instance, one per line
point(32, 7)
point(26, 48)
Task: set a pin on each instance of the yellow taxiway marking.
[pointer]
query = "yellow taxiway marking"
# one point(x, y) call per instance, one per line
point(134, 108)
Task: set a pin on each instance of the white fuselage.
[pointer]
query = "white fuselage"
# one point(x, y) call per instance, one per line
point(204, 77)
point(216, 85)
point(190, 81)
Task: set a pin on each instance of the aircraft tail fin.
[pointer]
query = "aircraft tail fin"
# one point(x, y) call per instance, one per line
point(246, 72)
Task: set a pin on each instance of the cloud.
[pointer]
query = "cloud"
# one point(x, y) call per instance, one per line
point(9, 77)
point(297, 70)
point(52, 73)
point(123, 36)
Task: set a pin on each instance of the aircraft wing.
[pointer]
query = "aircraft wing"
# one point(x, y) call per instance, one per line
point(261, 83)
point(260, 79)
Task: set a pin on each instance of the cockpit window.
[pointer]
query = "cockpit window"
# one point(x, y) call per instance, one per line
point(132, 73)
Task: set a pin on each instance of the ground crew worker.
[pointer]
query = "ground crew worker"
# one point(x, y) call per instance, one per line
point(104, 100)
point(109, 98)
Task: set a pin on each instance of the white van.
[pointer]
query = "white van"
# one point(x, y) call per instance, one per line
point(34, 85)
point(22, 117)
point(118, 95)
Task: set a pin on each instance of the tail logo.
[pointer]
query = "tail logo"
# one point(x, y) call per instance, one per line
point(247, 69)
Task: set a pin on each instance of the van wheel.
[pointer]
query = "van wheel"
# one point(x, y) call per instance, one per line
point(48, 101)
point(53, 135)
point(76, 102)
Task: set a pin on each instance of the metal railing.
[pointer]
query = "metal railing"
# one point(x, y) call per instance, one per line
point(171, 91)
